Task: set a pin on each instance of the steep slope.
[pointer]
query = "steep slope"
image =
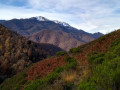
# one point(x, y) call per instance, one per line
point(68, 79)
point(83, 68)
point(104, 65)
point(82, 54)
point(34, 25)
point(57, 38)
point(16, 52)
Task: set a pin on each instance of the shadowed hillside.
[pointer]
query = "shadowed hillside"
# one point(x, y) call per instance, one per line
point(16, 52)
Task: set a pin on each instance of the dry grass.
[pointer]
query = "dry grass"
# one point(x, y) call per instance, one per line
point(68, 76)
point(86, 72)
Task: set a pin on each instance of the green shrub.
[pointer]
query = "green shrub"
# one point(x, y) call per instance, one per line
point(61, 53)
point(110, 56)
point(115, 47)
point(72, 62)
point(105, 77)
point(106, 73)
point(96, 58)
point(71, 65)
point(86, 85)
point(74, 50)
point(115, 44)
point(67, 58)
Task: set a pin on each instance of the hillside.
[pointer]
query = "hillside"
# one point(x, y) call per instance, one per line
point(33, 26)
point(57, 38)
point(97, 68)
point(16, 52)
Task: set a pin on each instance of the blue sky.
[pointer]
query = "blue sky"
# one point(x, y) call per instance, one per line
point(89, 15)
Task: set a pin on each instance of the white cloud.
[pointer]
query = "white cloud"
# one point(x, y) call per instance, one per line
point(10, 12)
point(89, 15)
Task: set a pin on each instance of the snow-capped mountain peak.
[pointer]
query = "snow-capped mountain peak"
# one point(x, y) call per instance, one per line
point(40, 18)
point(62, 23)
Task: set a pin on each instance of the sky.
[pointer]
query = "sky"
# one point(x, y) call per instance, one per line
point(89, 15)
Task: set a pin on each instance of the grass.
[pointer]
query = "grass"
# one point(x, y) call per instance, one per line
point(68, 76)
point(14, 83)
point(49, 79)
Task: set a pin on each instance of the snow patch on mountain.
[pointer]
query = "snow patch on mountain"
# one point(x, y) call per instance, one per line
point(62, 23)
point(40, 18)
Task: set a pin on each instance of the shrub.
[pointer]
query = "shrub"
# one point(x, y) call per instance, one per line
point(74, 50)
point(115, 44)
point(106, 74)
point(61, 53)
point(115, 47)
point(96, 58)
point(86, 85)
point(71, 62)
point(67, 58)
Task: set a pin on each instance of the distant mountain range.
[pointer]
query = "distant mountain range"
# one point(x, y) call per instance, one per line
point(42, 30)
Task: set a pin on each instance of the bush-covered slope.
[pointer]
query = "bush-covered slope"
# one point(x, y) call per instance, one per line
point(105, 70)
point(16, 52)
point(97, 68)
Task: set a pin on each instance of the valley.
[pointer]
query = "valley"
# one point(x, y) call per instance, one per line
point(31, 62)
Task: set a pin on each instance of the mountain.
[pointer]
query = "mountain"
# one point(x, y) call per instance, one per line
point(97, 35)
point(57, 38)
point(33, 26)
point(2, 21)
point(17, 53)
point(62, 23)
point(92, 66)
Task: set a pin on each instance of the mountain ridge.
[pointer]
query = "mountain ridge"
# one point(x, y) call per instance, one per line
point(40, 18)
point(30, 26)
point(57, 38)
